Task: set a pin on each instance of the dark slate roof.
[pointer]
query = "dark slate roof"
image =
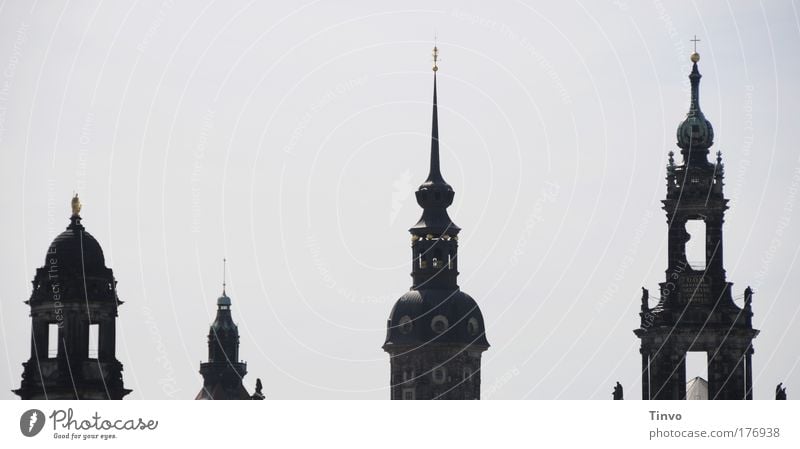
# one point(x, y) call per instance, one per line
point(421, 308)
point(75, 250)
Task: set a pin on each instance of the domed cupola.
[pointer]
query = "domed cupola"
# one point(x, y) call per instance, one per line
point(73, 310)
point(74, 264)
point(436, 316)
point(695, 133)
point(76, 249)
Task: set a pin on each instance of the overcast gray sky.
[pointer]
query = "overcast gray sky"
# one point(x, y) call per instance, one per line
point(289, 138)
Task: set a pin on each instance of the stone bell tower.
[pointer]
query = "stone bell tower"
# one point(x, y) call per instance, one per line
point(696, 311)
point(73, 322)
point(223, 372)
point(435, 333)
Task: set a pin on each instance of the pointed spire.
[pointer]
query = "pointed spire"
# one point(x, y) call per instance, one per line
point(435, 195)
point(224, 300)
point(435, 174)
point(694, 78)
point(224, 272)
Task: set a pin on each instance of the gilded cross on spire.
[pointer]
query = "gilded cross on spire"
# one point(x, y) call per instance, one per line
point(695, 56)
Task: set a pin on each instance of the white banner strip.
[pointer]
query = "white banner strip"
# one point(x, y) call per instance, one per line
point(400, 424)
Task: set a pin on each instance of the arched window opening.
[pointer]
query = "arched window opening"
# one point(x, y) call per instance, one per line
point(52, 340)
point(94, 340)
point(696, 245)
point(696, 366)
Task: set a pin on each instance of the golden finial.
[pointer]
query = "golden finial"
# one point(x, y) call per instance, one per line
point(695, 56)
point(76, 205)
point(435, 58)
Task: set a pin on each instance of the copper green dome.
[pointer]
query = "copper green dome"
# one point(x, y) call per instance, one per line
point(695, 133)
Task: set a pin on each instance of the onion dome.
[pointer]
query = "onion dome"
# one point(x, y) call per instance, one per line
point(695, 133)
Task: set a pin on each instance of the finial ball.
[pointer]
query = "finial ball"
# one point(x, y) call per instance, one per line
point(695, 57)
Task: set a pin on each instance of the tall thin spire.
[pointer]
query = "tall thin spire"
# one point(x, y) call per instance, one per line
point(435, 195)
point(694, 78)
point(224, 272)
point(435, 174)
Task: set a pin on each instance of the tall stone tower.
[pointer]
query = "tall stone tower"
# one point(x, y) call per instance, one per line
point(696, 311)
point(223, 373)
point(435, 333)
point(73, 317)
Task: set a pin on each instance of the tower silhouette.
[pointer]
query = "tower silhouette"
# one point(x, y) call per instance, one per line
point(73, 322)
point(696, 310)
point(223, 372)
point(435, 333)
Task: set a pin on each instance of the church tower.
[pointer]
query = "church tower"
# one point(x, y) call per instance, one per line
point(435, 333)
point(696, 311)
point(73, 317)
point(223, 373)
